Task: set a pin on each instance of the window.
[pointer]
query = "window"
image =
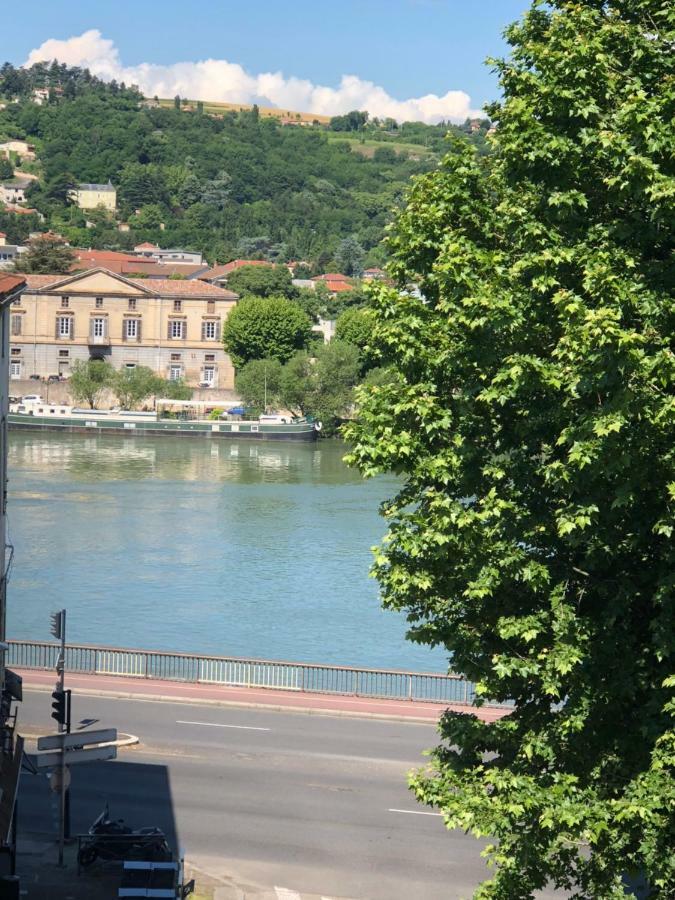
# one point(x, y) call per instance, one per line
point(15, 369)
point(176, 357)
point(64, 326)
point(177, 305)
point(129, 365)
point(209, 357)
point(132, 329)
point(210, 306)
point(209, 374)
point(16, 351)
point(210, 330)
point(65, 302)
point(99, 303)
point(63, 353)
point(98, 328)
point(132, 303)
point(175, 373)
point(177, 329)
point(16, 325)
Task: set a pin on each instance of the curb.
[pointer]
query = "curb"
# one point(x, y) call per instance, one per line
point(190, 701)
point(123, 740)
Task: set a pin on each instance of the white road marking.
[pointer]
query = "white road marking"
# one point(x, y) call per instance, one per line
point(220, 725)
point(285, 894)
point(414, 812)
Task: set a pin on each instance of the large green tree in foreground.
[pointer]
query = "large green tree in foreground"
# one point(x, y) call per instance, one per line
point(532, 418)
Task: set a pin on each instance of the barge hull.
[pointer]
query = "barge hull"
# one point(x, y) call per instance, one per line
point(302, 433)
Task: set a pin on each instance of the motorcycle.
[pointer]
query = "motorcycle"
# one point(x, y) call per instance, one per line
point(113, 840)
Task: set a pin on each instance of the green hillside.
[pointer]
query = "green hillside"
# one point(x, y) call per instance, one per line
point(235, 184)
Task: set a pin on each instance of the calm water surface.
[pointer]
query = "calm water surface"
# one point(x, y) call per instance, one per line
point(228, 548)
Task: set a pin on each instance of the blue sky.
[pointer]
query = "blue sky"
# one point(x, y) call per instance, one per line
point(410, 48)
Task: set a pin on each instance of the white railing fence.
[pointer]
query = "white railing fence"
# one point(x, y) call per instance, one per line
point(224, 670)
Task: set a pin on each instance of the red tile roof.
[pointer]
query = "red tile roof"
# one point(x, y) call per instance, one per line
point(9, 283)
point(158, 270)
point(39, 281)
point(331, 276)
point(221, 271)
point(146, 245)
point(179, 288)
point(335, 287)
point(167, 287)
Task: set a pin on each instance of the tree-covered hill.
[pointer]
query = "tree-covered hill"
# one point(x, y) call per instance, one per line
point(234, 185)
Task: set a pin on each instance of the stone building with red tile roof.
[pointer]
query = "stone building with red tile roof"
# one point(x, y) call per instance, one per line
point(173, 326)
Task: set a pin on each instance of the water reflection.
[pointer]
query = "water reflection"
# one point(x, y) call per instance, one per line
point(233, 548)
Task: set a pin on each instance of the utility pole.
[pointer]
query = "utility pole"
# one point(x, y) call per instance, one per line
point(61, 707)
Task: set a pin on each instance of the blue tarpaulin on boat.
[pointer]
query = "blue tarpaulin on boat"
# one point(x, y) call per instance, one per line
point(237, 411)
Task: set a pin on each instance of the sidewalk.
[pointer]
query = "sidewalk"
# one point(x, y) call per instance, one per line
point(267, 698)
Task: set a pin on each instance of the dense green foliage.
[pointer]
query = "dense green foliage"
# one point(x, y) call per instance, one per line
point(262, 281)
point(258, 384)
point(132, 386)
point(261, 327)
point(532, 418)
point(46, 256)
point(349, 257)
point(219, 184)
point(89, 379)
point(319, 385)
point(355, 326)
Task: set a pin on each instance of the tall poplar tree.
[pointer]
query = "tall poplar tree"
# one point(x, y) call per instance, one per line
point(532, 420)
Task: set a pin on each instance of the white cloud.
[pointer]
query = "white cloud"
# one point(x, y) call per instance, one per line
point(218, 79)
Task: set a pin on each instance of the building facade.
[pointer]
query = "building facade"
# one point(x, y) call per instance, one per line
point(11, 745)
point(172, 326)
point(91, 196)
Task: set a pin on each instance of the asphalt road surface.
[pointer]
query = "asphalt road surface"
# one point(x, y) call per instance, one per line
point(312, 804)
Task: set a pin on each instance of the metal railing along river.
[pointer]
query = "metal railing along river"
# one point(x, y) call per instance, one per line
point(233, 671)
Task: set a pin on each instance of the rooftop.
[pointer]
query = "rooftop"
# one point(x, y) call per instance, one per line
point(221, 271)
point(96, 187)
point(9, 283)
point(166, 287)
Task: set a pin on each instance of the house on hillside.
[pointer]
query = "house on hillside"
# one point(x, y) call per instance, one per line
point(21, 148)
point(175, 256)
point(91, 196)
point(9, 252)
point(173, 327)
point(14, 190)
point(335, 282)
point(374, 274)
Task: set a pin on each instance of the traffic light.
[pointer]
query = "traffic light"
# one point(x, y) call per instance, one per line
point(57, 624)
point(59, 706)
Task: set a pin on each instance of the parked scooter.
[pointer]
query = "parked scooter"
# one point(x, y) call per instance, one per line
point(113, 840)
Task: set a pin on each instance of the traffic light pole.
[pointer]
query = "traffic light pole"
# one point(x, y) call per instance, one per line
point(61, 669)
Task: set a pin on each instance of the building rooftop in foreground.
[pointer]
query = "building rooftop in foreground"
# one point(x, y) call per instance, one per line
point(164, 287)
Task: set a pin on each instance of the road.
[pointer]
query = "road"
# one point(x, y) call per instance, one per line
point(313, 804)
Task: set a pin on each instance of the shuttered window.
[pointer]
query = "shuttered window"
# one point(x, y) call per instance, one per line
point(211, 330)
point(64, 327)
point(16, 324)
point(177, 330)
point(131, 330)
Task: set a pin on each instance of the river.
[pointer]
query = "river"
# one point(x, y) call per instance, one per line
point(217, 547)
